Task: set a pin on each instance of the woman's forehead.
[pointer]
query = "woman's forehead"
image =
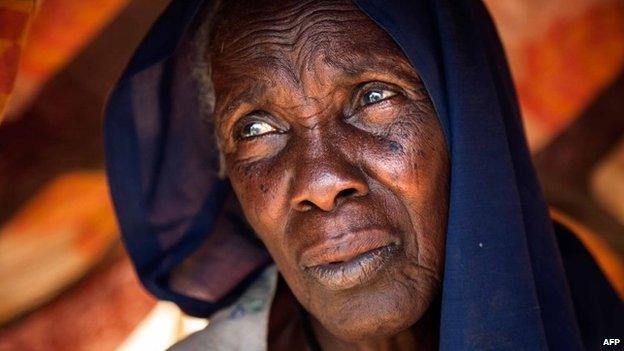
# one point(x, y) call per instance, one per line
point(281, 14)
point(281, 35)
point(287, 45)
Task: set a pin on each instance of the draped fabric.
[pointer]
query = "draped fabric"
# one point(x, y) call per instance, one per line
point(14, 18)
point(504, 284)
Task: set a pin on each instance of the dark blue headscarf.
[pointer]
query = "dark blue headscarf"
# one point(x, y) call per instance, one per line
point(504, 284)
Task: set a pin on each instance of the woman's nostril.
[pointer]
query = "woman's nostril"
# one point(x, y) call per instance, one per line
point(306, 205)
point(347, 192)
point(329, 204)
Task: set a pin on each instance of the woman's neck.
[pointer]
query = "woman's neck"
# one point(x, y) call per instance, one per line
point(423, 335)
point(289, 330)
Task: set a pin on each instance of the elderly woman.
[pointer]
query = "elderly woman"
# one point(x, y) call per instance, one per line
point(342, 175)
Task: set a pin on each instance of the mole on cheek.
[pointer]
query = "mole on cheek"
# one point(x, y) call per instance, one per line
point(264, 188)
point(396, 147)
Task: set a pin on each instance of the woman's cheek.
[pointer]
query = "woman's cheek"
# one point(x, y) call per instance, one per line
point(260, 190)
point(394, 159)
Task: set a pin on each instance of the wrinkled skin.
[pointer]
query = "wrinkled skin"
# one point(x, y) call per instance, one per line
point(333, 148)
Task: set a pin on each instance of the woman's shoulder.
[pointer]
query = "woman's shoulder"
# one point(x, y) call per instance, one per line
point(242, 325)
point(599, 309)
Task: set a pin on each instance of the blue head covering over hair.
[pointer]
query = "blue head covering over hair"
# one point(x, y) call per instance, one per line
point(504, 285)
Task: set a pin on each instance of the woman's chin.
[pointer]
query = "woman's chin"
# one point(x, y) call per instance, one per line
point(373, 314)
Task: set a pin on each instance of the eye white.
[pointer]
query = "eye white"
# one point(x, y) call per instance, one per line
point(256, 128)
point(376, 95)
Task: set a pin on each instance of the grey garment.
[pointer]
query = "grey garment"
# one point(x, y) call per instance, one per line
point(243, 326)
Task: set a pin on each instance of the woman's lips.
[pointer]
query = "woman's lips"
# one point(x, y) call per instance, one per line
point(353, 259)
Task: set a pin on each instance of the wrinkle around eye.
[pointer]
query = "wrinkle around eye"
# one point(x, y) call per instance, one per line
point(259, 148)
point(375, 118)
point(228, 117)
point(356, 104)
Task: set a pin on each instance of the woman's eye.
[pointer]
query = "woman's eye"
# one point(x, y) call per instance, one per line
point(254, 129)
point(376, 95)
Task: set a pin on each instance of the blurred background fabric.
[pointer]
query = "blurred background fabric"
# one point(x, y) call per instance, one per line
point(14, 19)
point(61, 262)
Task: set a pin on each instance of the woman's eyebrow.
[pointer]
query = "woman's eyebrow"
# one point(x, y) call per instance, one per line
point(376, 64)
point(359, 64)
point(257, 86)
point(248, 96)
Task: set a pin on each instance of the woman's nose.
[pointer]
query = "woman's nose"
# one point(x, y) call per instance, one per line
point(325, 184)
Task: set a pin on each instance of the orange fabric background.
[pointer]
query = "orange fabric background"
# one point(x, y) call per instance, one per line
point(561, 53)
point(14, 16)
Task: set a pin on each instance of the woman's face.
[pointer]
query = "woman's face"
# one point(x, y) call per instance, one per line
point(336, 155)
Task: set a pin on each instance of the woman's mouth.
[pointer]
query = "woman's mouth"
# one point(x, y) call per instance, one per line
point(357, 261)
